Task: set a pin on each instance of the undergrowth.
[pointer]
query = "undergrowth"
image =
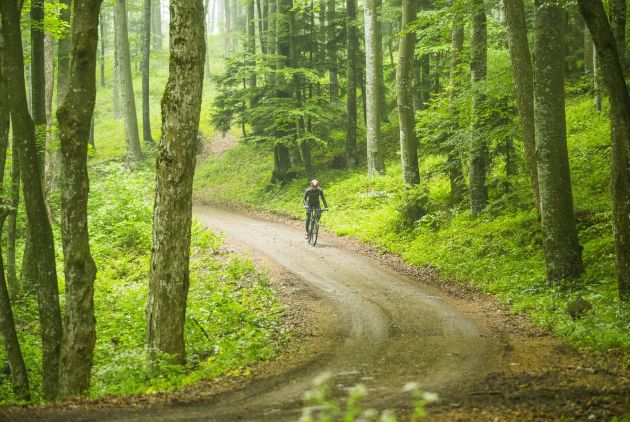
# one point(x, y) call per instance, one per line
point(233, 319)
point(499, 252)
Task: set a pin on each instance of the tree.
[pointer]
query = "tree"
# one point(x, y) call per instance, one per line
point(562, 251)
point(156, 24)
point(75, 116)
point(523, 85)
point(609, 43)
point(404, 96)
point(146, 52)
point(454, 162)
point(40, 228)
point(352, 47)
point(181, 105)
point(478, 71)
point(331, 48)
point(134, 151)
point(374, 82)
point(19, 377)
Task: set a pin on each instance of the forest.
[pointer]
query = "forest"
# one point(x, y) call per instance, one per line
point(153, 159)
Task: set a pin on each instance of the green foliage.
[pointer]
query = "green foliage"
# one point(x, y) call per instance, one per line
point(233, 319)
point(499, 251)
point(325, 406)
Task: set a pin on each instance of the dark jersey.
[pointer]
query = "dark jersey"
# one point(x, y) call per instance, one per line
point(311, 198)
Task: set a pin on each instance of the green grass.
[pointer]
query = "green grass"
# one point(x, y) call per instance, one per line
point(499, 252)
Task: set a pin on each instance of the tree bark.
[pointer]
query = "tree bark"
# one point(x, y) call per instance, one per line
point(12, 279)
point(75, 116)
point(134, 151)
point(251, 42)
point(19, 377)
point(181, 105)
point(228, 27)
point(5, 120)
point(588, 53)
point(331, 48)
point(352, 46)
point(38, 78)
point(404, 96)
point(609, 48)
point(146, 53)
point(40, 228)
point(102, 38)
point(523, 84)
point(373, 64)
point(479, 148)
point(116, 76)
point(562, 251)
point(454, 162)
point(156, 24)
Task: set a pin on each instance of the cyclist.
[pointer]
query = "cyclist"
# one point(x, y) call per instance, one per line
point(311, 201)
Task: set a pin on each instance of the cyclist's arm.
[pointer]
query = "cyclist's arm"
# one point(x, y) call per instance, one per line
point(304, 199)
point(321, 192)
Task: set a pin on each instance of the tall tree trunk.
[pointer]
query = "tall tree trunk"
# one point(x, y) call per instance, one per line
point(454, 162)
point(146, 53)
point(172, 215)
point(373, 63)
point(228, 26)
point(404, 96)
point(588, 53)
point(479, 148)
point(40, 228)
point(102, 61)
point(38, 78)
point(352, 47)
point(331, 48)
point(12, 279)
point(251, 42)
point(134, 152)
point(562, 251)
point(19, 377)
point(156, 24)
point(261, 25)
point(524, 85)
point(610, 42)
point(116, 77)
point(75, 116)
point(597, 88)
point(234, 8)
point(49, 150)
point(5, 120)
point(281, 157)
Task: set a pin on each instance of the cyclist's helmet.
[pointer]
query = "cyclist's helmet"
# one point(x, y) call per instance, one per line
point(314, 183)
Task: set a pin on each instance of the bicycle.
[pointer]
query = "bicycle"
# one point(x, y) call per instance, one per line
point(313, 229)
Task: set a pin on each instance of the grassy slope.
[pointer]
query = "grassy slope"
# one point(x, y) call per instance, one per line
point(224, 332)
point(499, 252)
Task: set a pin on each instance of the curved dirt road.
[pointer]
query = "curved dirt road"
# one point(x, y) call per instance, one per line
point(387, 330)
point(390, 331)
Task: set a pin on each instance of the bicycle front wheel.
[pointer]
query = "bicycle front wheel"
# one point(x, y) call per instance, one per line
point(315, 232)
point(310, 230)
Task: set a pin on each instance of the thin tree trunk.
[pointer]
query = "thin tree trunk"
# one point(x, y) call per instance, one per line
point(19, 377)
point(373, 62)
point(609, 41)
point(146, 53)
point(38, 78)
point(40, 228)
point(588, 53)
point(454, 162)
point(102, 62)
point(352, 46)
point(5, 117)
point(116, 77)
point(479, 150)
point(404, 97)
point(228, 26)
point(156, 24)
point(134, 151)
point(261, 29)
point(597, 89)
point(75, 117)
point(523, 84)
point(562, 250)
point(251, 42)
point(331, 48)
point(12, 279)
point(172, 215)
point(49, 150)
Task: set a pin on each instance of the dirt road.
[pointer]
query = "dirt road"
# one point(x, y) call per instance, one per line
point(377, 326)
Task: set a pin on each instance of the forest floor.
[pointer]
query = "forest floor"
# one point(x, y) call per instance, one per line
point(367, 317)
